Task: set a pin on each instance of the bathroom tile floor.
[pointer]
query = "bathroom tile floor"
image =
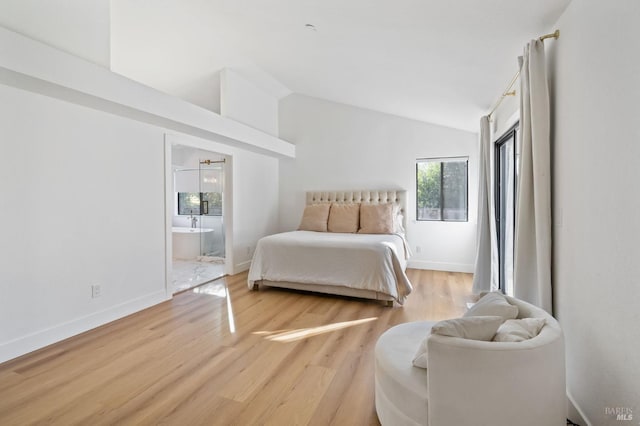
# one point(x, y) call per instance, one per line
point(190, 273)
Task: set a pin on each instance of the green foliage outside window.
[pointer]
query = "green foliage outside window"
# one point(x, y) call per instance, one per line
point(442, 189)
point(200, 203)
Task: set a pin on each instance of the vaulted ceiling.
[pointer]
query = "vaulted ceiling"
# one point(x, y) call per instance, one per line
point(443, 62)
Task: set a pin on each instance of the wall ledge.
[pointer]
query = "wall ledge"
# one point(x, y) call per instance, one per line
point(37, 67)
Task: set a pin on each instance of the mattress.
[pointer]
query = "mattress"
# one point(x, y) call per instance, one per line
point(373, 262)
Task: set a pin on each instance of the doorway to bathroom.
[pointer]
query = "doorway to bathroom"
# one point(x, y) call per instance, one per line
point(198, 221)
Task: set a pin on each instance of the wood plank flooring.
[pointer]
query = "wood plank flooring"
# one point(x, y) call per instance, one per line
point(222, 355)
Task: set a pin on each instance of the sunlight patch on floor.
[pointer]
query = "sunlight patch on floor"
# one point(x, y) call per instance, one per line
point(269, 333)
point(232, 321)
point(219, 289)
point(294, 335)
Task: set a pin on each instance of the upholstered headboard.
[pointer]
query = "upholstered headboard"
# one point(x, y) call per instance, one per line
point(398, 198)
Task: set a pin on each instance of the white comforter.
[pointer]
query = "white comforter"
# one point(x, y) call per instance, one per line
point(362, 261)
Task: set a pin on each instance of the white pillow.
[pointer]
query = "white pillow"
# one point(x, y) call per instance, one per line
point(473, 328)
point(518, 330)
point(420, 360)
point(493, 303)
point(398, 218)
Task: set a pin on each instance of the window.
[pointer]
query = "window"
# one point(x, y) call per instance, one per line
point(200, 203)
point(441, 186)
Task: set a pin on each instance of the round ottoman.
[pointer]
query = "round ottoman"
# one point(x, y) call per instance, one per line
point(401, 388)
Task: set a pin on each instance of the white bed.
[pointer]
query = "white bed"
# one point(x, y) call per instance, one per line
point(369, 266)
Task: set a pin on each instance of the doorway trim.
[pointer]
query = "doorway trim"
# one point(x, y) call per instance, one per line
point(227, 202)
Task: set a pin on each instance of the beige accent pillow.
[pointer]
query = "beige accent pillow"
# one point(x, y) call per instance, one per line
point(315, 218)
point(473, 328)
point(344, 218)
point(376, 219)
point(493, 303)
point(518, 330)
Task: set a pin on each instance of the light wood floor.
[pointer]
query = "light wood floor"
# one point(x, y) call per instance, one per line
point(269, 357)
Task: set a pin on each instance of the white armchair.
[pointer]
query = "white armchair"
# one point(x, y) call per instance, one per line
point(470, 382)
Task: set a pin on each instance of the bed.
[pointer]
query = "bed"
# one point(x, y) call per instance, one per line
point(370, 266)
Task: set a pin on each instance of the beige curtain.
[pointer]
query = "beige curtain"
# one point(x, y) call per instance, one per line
point(532, 245)
point(482, 277)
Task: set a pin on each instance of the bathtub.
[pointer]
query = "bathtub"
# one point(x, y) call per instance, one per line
point(186, 241)
point(183, 230)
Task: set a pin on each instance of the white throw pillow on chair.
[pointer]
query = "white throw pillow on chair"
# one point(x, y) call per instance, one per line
point(518, 330)
point(493, 303)
point(473, 328)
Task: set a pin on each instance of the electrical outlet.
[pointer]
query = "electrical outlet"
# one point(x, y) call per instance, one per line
point(96, 291)
point(418, 249)
point(249, 251)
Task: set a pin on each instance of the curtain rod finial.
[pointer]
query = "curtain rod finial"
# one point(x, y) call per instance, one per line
point(554, 35)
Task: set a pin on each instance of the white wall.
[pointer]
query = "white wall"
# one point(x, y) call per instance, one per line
point(79, 27)
point(506, 114)
point(83, 192)
point(194, 50)
point(339, 147)
point(247, 103)
point(594, 72)
point(83, 162)
point(255, 205)
point(86, 196)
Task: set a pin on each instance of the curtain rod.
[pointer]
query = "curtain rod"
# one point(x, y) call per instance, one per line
point(508, 91)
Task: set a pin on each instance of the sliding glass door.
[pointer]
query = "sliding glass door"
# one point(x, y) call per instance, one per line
point(506, 177)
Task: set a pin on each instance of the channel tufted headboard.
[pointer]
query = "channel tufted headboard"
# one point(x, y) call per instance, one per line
point(398, 198)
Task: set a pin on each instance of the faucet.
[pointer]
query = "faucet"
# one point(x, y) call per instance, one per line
point(194, 220)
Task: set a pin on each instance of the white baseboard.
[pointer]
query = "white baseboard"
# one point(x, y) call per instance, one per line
point(575, 413)
point(440, 266)
point(40, 339)
point(241, 267)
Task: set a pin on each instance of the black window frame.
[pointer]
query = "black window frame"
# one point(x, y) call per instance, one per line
point(511, 134)
point(443, 160)
point(204, 206)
